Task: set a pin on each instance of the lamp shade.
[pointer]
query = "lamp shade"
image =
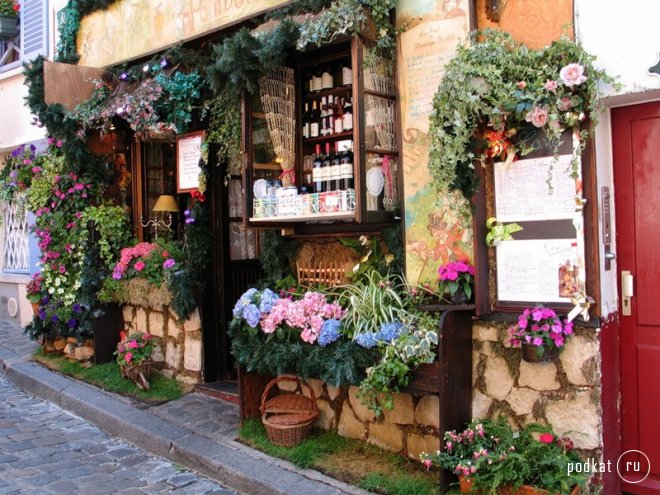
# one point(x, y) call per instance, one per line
point(166, 203)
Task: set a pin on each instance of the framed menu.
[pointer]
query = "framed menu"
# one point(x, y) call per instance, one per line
point(545, 261)
point(188, 154)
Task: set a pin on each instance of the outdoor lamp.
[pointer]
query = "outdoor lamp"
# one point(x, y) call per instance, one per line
point(167, 204)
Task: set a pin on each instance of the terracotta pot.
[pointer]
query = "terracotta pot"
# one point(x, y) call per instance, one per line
point(530, 354)
point(465, 484)
point(35, 308)
point(530, 490)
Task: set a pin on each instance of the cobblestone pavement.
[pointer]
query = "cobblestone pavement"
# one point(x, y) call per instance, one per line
point(45, 450)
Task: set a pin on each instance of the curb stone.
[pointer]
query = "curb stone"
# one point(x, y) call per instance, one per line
point(235, 465)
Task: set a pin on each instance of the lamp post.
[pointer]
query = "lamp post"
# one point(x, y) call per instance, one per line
point(166, 204)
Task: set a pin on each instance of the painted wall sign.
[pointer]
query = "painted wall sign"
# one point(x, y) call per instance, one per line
point(188, 153)
point(437, 230)
point(131, 28)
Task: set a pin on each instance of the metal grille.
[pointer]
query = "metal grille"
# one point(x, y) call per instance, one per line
point(16, 255)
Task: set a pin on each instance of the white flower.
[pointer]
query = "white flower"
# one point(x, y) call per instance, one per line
point(572, 75)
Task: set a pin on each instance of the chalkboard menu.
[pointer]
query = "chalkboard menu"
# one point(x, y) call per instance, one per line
point(545, 261)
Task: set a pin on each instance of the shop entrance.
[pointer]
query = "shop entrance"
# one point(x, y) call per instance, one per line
point(636, 146)
point(235, 267)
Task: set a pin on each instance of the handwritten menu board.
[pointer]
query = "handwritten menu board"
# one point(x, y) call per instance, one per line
point(188, 153)
point(544, 263)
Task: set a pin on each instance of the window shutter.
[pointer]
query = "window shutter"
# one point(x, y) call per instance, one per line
point(34, 29)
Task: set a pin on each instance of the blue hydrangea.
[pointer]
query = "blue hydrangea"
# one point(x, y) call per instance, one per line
point(243, 301)
point(389, 331)
point(366, 340)
point(268, 300)
point(252, 315)
point(329, 332)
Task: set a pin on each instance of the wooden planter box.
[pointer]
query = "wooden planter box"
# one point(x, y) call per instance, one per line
point(8, 27)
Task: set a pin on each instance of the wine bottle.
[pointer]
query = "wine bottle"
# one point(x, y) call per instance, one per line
point(327, 178)
point(316, 80)
point(347, 120)
point(324, 114)
point(305, 122)
point(314, 121)
point(326, 79)
point(316, 170)
point(347, 181)
point(346, 74)
point(338, 113)
point(330, 116)
point(336, 169)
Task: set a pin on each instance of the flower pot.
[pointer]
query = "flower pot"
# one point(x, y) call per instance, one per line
point(531, 490)
point(459, 297)
point(8, 26)
point(35, 308)
point(138, 373)
point(465, 484)
point(530, 354)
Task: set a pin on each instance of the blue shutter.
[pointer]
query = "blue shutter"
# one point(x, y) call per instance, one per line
point(34, 29)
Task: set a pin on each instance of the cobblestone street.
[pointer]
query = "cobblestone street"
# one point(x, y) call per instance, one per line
point(44, 449)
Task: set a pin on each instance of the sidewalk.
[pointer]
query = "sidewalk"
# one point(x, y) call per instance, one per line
point(195, 431)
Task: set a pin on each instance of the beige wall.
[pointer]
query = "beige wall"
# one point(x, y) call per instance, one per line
point(16, 123)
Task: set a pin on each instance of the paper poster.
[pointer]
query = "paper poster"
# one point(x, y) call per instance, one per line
point(537, 270)
point(534, 189)
point(188, 153)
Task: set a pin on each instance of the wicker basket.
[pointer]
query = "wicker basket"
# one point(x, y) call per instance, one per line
point(288, 417)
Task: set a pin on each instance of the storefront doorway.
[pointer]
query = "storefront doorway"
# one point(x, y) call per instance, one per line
point(636, 146)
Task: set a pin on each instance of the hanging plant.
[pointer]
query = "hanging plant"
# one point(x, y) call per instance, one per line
point(494, 89)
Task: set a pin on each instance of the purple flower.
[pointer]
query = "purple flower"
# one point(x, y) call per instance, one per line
point(329, 332)
point(71, 323)
point(252, 315)
point(169, 263)
point(123, 76)
point(538, 341)
point(366, 340)
point(163, 63)
point(537, 315)
point(77, 308)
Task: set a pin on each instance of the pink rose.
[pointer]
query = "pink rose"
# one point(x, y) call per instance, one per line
point(521, 84)
point(139, 266)
point(133, 344)
point(538, 116)
point(550, 85)
point(564, 104)
point(572, 75)
point(128, 356)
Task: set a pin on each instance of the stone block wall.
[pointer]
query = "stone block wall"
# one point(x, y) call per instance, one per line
point(410, 428)
point(178, 349)
point(564, 394)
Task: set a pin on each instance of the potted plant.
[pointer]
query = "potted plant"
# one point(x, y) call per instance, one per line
point(9, 12)
point(33, 292)
point(456, 278)
point(489, 457)
point(134, 357)
point(540, 333)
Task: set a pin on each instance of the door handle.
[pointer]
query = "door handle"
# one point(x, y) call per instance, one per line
point(627, 292)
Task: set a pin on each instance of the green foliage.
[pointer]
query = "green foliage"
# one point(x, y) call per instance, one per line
point(495, 83)
point(182, 91)
point(341, 362)
point(112, 231)
point(224, 129)
point(398, 485)
point(276, 254)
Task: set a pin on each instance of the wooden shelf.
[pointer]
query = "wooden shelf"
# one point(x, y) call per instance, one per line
point(330, 137)
point(327, 92)
point(267, 166)
point(379, 94)
point(377, 151)
point(340, 215)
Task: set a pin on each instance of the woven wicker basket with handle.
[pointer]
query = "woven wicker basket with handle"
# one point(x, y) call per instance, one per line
point(288, 417)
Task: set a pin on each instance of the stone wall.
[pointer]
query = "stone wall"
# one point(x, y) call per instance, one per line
point(564, 394)
point(410, 428)
point(178, 349)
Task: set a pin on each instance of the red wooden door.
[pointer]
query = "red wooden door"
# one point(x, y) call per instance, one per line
point(636, 146)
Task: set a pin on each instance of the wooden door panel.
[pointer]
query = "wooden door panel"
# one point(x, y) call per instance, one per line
point(636, 147)
point(646, 173)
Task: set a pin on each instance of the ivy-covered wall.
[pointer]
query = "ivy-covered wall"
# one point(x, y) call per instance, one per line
point(436, 231)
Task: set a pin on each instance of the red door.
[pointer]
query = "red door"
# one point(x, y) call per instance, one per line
point(636, 146)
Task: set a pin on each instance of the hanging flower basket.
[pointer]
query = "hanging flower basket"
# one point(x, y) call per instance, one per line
point(531, 354)
point(8, 27)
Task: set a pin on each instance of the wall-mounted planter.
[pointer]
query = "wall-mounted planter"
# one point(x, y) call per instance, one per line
point(8, 27)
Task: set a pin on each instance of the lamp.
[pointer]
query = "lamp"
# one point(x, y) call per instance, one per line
point(165, 203)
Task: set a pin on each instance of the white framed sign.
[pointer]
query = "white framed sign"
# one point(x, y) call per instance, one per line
point(188, 154)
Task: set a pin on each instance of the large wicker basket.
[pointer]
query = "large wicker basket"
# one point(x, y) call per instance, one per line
point(288, 417)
